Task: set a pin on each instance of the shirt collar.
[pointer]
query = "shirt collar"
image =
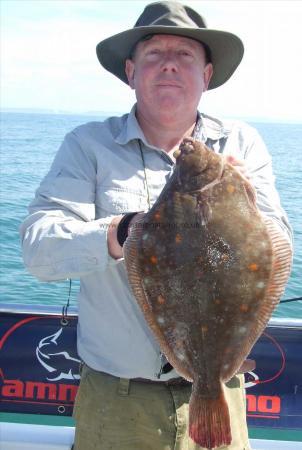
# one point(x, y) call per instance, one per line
point(130, 129)
point(211, 128)
point(206, 127)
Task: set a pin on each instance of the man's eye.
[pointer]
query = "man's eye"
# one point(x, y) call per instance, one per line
point(185, 53)
point(153, 51)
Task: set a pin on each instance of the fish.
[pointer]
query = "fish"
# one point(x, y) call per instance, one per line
point(207, 269)
point(60, 364)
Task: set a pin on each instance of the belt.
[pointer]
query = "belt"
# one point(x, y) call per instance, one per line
point(172, 382)
point(179, 381)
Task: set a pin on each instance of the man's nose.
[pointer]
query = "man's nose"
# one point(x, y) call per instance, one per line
point(169, 62)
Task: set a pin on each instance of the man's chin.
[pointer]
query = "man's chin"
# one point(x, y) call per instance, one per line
point(170, 103)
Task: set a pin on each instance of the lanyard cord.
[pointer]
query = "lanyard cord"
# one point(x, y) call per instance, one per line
point(161, 355)
point(64, 317)
point(195, 134)
point(145, 173)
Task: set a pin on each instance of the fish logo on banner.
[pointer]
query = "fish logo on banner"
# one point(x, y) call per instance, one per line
point(51, 359)
point(251, 379)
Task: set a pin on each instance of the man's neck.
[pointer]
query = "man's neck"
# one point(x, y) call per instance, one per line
point(166, 133)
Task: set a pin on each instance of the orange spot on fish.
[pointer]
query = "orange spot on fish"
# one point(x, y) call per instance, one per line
point(160, 299)
point(204, 329)
point(244, 307)
point(230, 188)
point(217, 301)
point(225, 257)
point(157, 215)
point(178, 343)
point(253, 267)
point(178, 238)
point(153, 259)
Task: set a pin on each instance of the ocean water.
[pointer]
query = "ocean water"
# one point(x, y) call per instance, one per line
point(28, 145)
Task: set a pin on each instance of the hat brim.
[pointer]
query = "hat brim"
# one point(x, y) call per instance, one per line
point(226, 49)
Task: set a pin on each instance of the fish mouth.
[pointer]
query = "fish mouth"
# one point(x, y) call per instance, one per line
point(193, 159)
point(185, 148)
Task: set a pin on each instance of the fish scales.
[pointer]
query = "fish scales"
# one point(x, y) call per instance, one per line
point(207, 270)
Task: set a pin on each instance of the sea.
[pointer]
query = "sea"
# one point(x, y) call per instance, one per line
point(29, 142)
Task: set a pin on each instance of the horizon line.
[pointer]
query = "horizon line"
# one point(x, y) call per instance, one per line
point(52, 111)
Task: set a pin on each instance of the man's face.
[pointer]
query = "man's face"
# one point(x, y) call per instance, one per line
point(169, 73)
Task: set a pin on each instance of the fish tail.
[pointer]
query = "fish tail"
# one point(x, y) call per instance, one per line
point(209, 423)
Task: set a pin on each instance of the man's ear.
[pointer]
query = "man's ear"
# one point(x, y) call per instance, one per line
point(129, 69)
point(207, 75)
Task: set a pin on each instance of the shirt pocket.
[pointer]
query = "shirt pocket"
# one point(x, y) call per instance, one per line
point(117, 200)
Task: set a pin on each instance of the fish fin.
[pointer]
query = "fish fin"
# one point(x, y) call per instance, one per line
point(134, 272)
point(204, 211)
point(281, 265)
point(146, 300)
point(209, 419)
point(206, 215)
point(131, 251)
point(282, 260)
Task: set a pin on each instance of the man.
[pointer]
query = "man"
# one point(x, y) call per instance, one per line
point(104, 173)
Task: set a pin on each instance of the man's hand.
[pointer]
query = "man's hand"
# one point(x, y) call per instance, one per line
point(239, 164)
point(114, 248)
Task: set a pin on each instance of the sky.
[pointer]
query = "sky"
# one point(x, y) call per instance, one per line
point(48, 57)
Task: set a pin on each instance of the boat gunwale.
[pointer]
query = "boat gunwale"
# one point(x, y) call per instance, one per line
point(56, 310)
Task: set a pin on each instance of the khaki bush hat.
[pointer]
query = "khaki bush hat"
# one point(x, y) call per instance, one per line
point(171, 17)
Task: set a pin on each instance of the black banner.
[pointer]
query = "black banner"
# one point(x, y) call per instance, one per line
point(39, 370)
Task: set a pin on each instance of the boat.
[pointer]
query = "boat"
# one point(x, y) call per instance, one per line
point(39, 377)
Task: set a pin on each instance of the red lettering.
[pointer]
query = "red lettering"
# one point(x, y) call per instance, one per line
point(267, 404)
point(13, 388)
point(67, 392)
point(41, 390)
point(263, 404)
point(251, 402)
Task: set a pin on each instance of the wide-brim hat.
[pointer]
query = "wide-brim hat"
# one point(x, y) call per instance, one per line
point(170, 17)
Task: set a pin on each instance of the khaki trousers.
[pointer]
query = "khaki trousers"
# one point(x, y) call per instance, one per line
point(120, 414)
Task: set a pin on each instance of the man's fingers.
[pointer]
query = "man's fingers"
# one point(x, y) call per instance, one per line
point(239, 164)
point(234, 161)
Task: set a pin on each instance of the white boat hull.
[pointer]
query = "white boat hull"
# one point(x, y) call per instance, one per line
point(47, 437)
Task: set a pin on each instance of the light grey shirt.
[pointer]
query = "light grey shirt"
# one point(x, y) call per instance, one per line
point(98, 173)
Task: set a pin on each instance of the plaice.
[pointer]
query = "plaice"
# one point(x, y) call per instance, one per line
point(207, 269)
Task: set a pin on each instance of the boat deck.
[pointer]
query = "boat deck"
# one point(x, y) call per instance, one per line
point(47, 437)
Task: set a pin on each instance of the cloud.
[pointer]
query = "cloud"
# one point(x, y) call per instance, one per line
point(267, 82)
point(48, 55)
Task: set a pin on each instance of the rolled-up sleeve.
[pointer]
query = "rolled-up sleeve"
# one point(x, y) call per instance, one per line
point(61, 238)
